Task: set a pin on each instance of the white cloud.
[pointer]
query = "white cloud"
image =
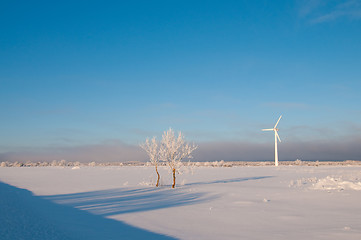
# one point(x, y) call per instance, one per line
point(308, 6)
point(354, 14)
point(318, 11)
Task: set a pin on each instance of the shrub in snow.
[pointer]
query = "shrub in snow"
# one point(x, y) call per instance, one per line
point(62, 163)
point(298, 162)
point(29, 164)
point(221, 163)
point(152, 149)
point(44, 164)
point(227, 164)
point(76, 164)
point(3, 164)
point(92, 164)
point(173, 150)
point(69, 164)
point(18, 164)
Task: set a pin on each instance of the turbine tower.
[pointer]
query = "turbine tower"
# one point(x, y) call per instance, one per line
point(275, 129)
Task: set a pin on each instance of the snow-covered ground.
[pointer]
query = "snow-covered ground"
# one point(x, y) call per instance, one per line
point(288, 202)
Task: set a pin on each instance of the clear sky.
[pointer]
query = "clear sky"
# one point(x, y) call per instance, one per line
point(89, 77)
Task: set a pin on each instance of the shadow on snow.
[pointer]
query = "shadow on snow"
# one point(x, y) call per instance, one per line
point(25, 216)
point(119, 201)
point(232, 180)
point(128, 200)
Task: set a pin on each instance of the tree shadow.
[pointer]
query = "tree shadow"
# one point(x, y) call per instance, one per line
point(232, 180)
point(25, 216)
point(128, 200)
point(120, 201)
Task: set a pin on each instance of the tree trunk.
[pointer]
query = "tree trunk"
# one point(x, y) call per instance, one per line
point(173, 178)
point(156, 169)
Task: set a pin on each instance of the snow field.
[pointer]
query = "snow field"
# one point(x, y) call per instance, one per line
point(297, 202)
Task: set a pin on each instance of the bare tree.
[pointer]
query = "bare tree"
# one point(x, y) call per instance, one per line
point(152, 149)
point(174, 149)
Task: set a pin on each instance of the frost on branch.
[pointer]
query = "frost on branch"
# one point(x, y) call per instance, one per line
point(152, 149)
point(174, 149)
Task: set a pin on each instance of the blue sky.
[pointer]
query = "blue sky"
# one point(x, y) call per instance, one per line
point(95, 74)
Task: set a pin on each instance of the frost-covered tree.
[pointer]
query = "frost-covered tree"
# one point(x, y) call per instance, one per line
point(174, 149)
point(152, 149)
point(92, 164)
point(76, 164)
point(62, 163)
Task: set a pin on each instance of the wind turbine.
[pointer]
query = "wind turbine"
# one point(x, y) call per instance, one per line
point(275, 129)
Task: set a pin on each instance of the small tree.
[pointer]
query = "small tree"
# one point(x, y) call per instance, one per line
point(174, 149)
point(152, 149)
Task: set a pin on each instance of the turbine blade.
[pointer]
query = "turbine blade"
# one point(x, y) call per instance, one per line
point(279, 139)
point(271, 129)
point(278, 121)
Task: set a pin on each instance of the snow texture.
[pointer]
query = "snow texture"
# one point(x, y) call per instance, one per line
point(336, 183)
point(288, 202)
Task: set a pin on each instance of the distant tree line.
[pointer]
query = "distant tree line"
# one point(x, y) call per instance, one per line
point(60, 163)
point(63, 163)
